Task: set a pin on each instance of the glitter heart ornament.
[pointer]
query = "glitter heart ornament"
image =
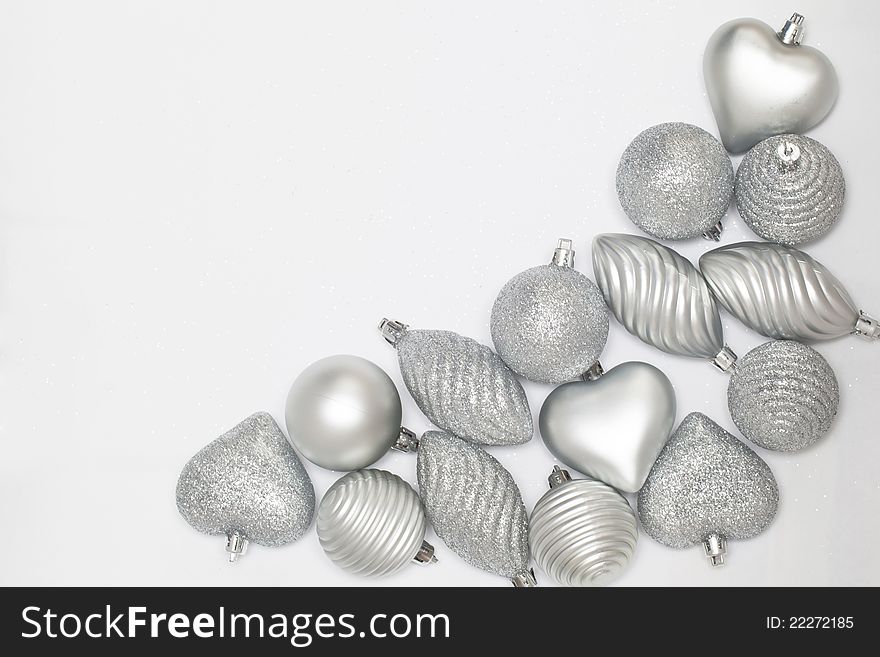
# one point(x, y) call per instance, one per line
point(475, 506)
point(706, 488)
point(248, 485)
point(763, 83)
point(613, 427)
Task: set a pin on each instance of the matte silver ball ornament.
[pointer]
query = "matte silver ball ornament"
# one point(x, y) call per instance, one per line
point(248, 485)
point(582, 532)
point(783, 395)
point(550, 323)
point(707, 487)
point(343, 413)
point(675, 181)
point(790, 189)
point(371, 523)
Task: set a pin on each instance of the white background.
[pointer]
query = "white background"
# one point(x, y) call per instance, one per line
point(199, 199)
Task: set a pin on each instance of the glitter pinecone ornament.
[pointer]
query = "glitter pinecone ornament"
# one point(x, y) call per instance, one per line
point(475, 506)
point(675, 181)
point(706, 488)
point(549, 323)
point(783, 293)
point(248, 485)
point(582, 532)
point(460, 385)
point(783, 395)
point(660, 297)
point(790, 189)
point(371, 523)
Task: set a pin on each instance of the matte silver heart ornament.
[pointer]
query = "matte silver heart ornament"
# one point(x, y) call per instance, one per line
point(762, 83)
point(614, 427)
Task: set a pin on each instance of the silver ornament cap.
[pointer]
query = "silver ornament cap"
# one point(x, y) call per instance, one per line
point(461, 385)
point(582, 532)
point(371, 523)
point(343, 413)
point(248, 485)
point(790, 189)
point(706, 488)
point(612, 427)
point(762, 83)
point(783, 396)
point(549, 323)
point(675, 181)
point(475, 506)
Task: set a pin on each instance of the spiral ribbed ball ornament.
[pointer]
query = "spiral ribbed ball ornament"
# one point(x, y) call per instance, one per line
point(461, 385)
point(657, 295)
point(783, 293)
point(582, 532)
point(790, 189)
point(783, 395)
point(371, 523)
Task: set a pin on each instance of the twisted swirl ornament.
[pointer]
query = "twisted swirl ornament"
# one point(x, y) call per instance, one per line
point(657, 295)
point(779, 291)
point(464, 387)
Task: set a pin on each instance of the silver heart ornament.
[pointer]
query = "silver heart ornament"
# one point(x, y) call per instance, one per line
point(611, 428)
point(762, 83)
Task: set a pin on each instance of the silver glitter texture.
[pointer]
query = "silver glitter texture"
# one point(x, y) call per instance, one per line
point(675, 181)
point(783, 395)
point(371, 523)
point(549, 324)
point(474, 504)
point(657, 295)
point(779, 291)
point(706, 482)
point(790, 189)
point(583, 533)
point(248, 481)
point(464, 387)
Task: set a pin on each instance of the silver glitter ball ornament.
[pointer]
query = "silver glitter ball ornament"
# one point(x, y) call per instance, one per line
point(762, 83)
point(612, 427)
point(461, 386)
point(657, 295)
point(783, 293)
point(705, 488)
point(549, 323)
point(475, 506)
point(790, 189)
point(675, 181)
point(371, 523)
point(783, 395)
point(582, 532)
point(343, 413)
point(248, 485)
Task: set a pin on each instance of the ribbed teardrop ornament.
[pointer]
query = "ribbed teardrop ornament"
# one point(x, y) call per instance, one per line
point(582, 532)
point(371, 523)
point(657, 295)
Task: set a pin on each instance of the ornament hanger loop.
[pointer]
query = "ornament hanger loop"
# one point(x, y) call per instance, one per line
point(788, 152)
